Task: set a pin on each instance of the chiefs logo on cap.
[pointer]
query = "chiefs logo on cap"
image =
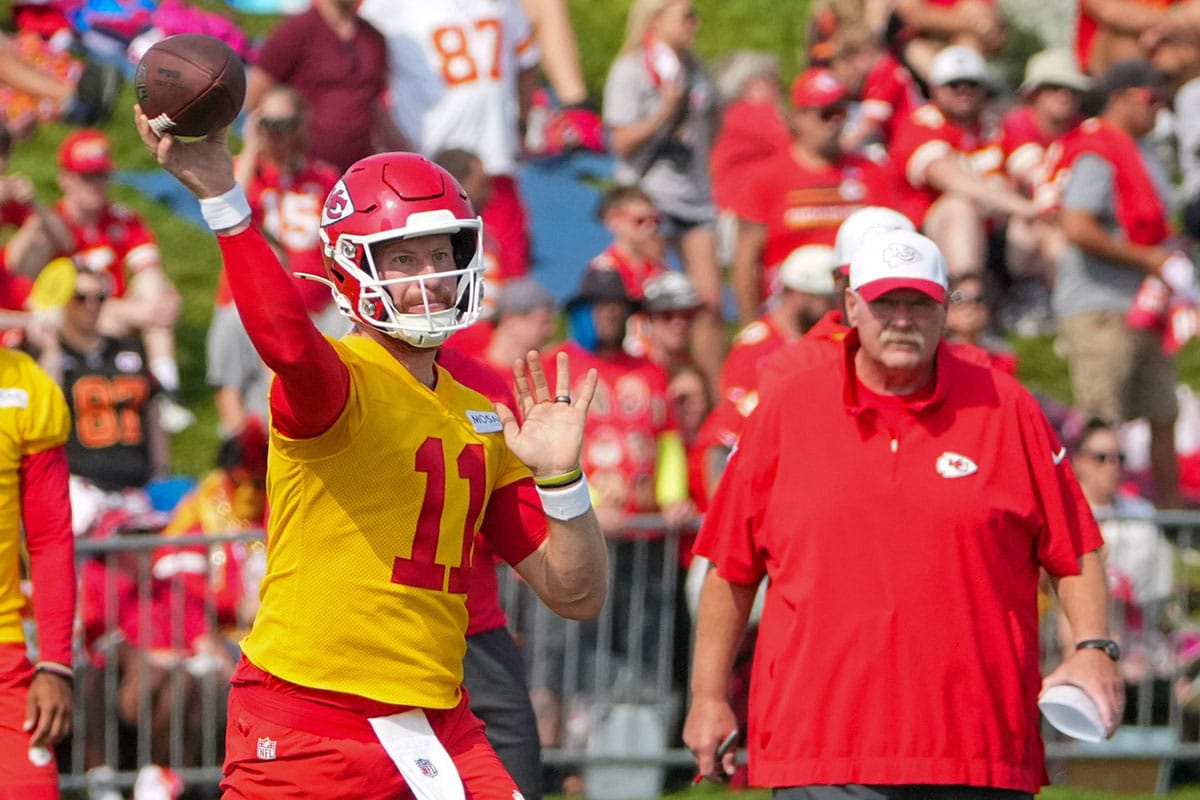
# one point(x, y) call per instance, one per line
point(897, 255)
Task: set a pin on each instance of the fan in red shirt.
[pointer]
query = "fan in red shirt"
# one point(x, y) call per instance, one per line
point(802, 195)
point(1053, 91)
point(753, 128)
point(111, 239)
point(856, 489)
point(948, 165)
point(883, 86)
point(285, 188)
point(637, 249)
point(806, 297)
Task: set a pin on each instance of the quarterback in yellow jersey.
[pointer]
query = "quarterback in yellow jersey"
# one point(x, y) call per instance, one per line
point(35, 699)
point(382, 470)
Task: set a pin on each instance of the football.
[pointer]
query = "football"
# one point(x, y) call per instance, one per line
point(190, 85)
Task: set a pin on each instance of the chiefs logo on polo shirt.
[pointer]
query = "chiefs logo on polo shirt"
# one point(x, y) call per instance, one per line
point(953, 465)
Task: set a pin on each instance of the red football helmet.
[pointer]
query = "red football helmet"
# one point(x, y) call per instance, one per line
point(394, 196)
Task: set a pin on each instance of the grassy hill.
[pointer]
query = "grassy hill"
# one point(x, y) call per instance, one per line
point(190, 254)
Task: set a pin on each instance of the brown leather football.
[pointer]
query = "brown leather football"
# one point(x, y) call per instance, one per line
point(190, 85)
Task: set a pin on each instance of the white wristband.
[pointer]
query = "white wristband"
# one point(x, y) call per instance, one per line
point(567, 502)
point(226, 211)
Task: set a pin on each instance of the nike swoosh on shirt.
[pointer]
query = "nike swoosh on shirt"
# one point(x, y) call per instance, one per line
point(1060, 455)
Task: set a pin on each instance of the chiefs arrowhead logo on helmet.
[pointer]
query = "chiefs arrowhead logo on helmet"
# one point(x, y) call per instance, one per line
point(337, 205)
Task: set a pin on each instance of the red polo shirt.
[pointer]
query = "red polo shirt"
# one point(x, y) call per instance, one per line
point(898, 643)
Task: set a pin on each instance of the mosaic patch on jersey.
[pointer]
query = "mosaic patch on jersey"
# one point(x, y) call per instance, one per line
point(14, 398)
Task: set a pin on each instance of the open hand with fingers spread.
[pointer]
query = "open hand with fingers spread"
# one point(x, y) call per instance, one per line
point(550, 437)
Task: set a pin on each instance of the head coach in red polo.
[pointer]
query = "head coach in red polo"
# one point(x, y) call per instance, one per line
point(902, 502)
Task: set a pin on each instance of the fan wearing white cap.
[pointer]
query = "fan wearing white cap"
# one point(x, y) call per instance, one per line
point(931, 25)
point(904, 502)
point(949, 166)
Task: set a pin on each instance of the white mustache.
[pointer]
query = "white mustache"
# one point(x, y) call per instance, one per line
point(914, 339)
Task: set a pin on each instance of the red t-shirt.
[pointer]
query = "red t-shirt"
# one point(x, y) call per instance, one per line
point(751, 347)
point(340, 82)
point(750, 134)
point(926, 135)
point(802, 205)
point(627, 415)
point(288, 209)
point(1023, 143)
point(634, 273)
point(119, 244)
point(889, 95)
point(899, 639)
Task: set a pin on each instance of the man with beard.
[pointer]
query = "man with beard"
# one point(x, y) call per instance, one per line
point(893, 690)
point(801, 195)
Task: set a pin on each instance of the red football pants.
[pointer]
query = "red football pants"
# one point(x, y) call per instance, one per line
point(19, 778)
point(308, 750)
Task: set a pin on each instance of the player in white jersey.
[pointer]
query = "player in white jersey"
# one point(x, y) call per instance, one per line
point(462, 74)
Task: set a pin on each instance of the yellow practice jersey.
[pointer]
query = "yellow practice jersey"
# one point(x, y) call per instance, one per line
point(371, 529)
point(33, 418)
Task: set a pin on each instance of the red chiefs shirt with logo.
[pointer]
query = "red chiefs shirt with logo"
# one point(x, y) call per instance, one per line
point(119, 244)
point(751, 347)
point(1023, 144)
point(802, 205)
point(889, 95)
point(923, 137)
point(899, 639)
point(627, 415)
point(634, 272)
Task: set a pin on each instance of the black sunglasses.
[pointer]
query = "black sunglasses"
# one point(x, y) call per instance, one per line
point(82, 297)
point(281, 124)
point(1103, 456)
point(962, 297)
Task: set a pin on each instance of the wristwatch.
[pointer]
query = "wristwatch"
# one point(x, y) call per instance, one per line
point(1110, 648)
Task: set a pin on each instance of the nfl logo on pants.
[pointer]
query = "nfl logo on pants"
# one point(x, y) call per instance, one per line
point(427, 768)
point(266, 748)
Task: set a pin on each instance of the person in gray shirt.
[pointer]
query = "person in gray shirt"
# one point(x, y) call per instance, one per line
point(659, 113)
point(1118, 371)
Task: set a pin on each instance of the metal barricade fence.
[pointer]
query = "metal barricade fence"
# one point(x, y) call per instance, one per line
point(610, 693)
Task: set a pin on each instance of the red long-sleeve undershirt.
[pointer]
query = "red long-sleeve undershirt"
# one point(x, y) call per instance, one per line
point(46, 513)
point(311, 384)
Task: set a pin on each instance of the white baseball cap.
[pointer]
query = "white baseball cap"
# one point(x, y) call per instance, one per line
point(809, 269)
point(862, 224)
point(959, 63)
point(898, 259)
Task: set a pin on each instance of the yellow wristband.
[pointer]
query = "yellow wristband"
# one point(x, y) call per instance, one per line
point(558, 481)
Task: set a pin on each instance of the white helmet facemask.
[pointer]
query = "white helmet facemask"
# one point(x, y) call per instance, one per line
point(424, 328)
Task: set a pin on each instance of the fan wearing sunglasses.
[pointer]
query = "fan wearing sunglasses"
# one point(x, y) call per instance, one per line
point(801, 195)
point(286, 187)
point(1137, 555)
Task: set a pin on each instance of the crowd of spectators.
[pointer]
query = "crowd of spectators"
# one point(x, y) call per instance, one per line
point(1051, 203)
